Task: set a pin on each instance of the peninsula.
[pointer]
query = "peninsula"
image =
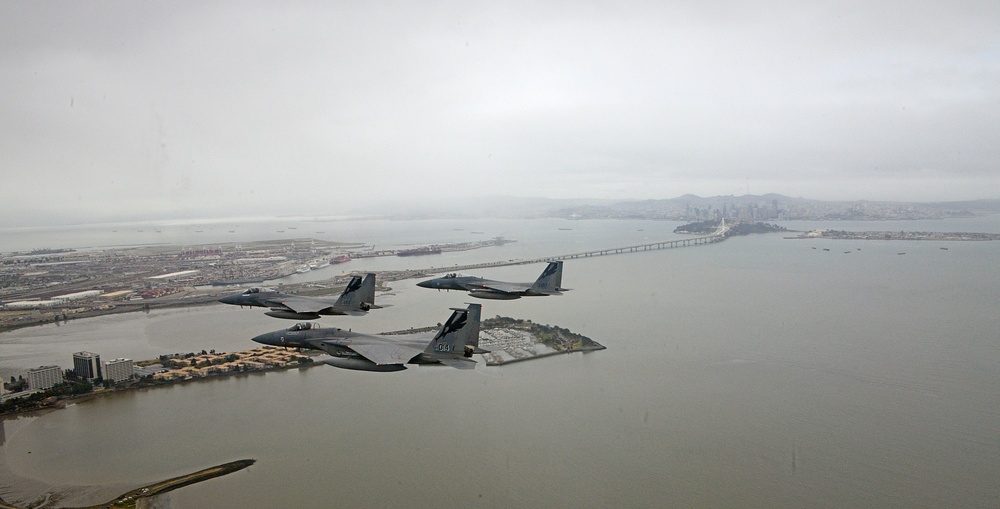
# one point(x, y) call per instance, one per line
point(512, 340)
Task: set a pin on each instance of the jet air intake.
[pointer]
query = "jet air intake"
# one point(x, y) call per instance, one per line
point(292, 315)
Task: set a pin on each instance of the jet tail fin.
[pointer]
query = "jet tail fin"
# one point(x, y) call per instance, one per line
point(367, 291)
point(359, 294)
point(459, 337)
point(472, 333)
point(550, 281)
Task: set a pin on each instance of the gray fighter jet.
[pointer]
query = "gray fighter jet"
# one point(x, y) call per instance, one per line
point(549, 283)
point(356, 299)
point(451, 346)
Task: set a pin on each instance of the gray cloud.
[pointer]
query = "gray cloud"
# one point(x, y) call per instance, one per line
point(112, 107)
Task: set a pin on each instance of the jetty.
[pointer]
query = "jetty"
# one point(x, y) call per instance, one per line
point(130, 498)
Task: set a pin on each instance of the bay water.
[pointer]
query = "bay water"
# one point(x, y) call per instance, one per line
point(755, 372)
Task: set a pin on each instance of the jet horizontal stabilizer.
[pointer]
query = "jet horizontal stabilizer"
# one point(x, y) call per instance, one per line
point(459, 363)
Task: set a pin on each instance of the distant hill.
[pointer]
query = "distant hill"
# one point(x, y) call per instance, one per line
point(774, 207)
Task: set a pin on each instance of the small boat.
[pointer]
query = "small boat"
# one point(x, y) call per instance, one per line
point(901, 253)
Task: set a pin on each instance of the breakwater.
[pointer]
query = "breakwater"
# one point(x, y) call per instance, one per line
point(129, 498)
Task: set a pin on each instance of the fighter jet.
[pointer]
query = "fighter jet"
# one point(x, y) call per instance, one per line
point(356, 299)
point(549, 283)
point(451, 346)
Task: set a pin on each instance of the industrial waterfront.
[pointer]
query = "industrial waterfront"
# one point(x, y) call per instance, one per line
point(114, 280)
point(752, 372)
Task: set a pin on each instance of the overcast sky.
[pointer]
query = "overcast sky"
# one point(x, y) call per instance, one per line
point(237, 108)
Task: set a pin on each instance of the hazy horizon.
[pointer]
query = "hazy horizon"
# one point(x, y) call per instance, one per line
point(475, 208)
point(156, 109)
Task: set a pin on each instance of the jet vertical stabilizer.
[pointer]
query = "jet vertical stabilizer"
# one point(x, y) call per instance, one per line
point(551, 279)
point(449, 345)
point(359, 294)
point(366, 294)
point(471, 330)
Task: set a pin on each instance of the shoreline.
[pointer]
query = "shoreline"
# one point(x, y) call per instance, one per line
point(117, 310)
point(898, 236)
point(62, 403)
point(583, 349)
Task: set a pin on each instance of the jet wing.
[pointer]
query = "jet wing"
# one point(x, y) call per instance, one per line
point(303, 304)
point(385, 353)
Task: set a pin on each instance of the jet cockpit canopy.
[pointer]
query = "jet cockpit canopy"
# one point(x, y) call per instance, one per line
point(304, 326)
point(256, 289)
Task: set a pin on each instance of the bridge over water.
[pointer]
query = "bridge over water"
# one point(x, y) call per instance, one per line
point(717, 236)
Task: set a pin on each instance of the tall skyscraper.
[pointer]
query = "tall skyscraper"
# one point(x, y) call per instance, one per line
point(87, 365)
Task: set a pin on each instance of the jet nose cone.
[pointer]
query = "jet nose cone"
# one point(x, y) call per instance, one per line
point(265, 339)
point(426, 284)
point(229, 299)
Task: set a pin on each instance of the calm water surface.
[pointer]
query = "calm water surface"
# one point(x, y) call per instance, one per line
point(757, 372)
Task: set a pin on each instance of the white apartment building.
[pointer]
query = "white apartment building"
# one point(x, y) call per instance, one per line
point(44, 377)
point(118, 370)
